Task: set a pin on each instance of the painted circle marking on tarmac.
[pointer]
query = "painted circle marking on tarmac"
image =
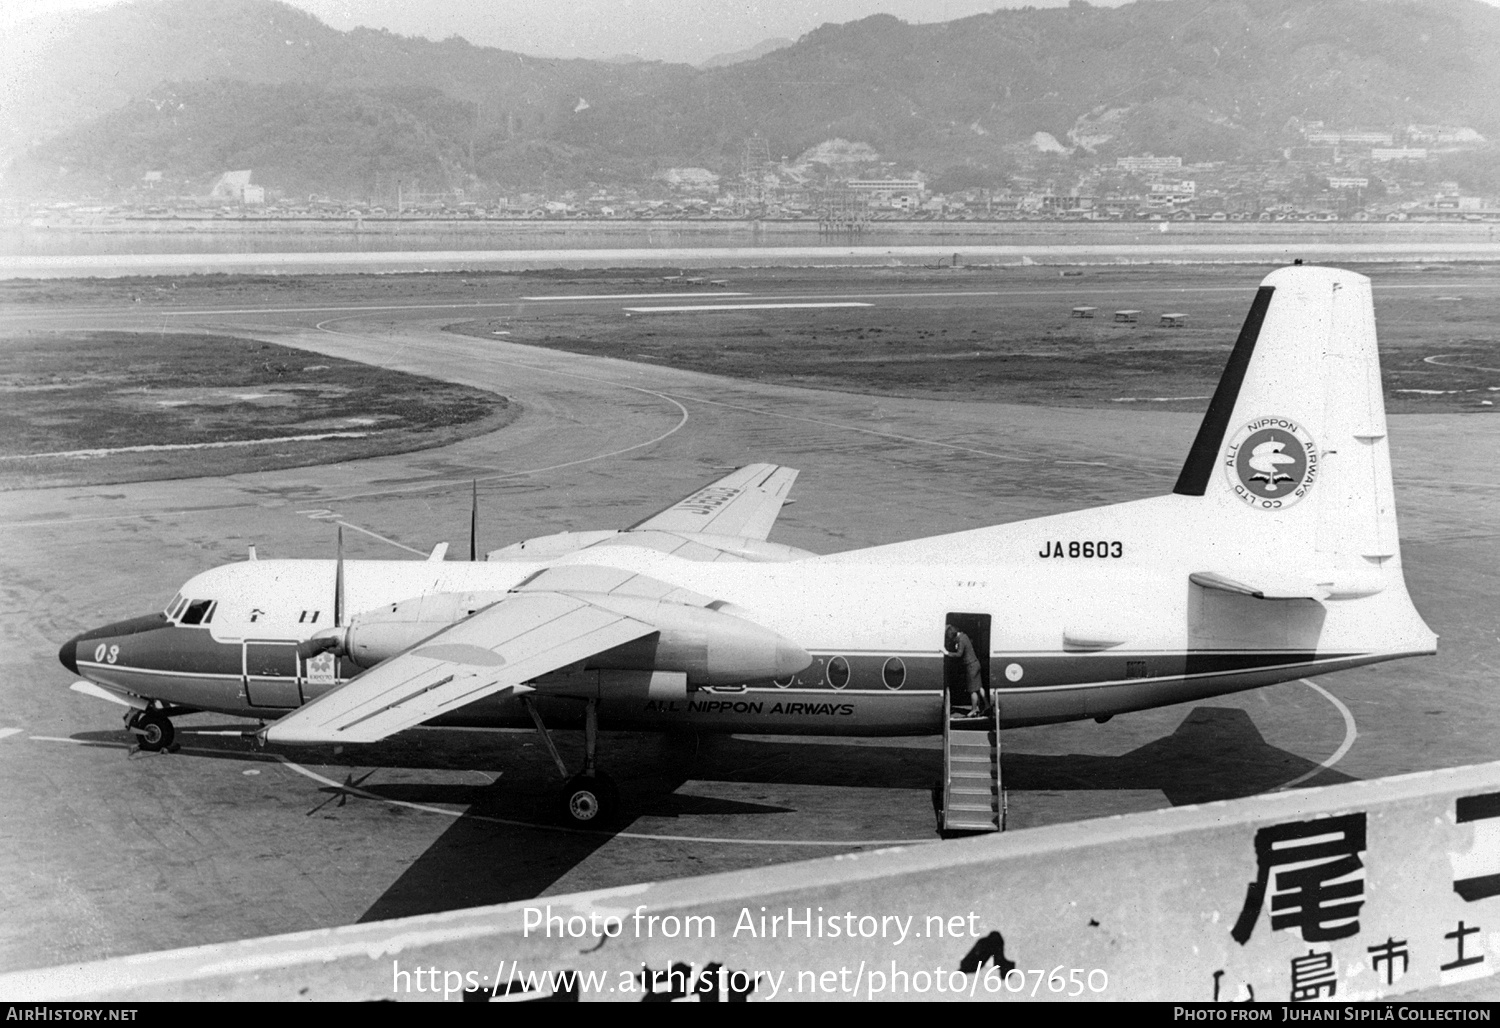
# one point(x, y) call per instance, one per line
point(1350, 734)
point(1438, 360)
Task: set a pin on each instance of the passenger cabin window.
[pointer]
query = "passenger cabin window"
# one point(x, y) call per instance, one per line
point(199, 612)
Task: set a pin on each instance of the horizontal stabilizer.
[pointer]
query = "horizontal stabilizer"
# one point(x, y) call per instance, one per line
point(1262, 589)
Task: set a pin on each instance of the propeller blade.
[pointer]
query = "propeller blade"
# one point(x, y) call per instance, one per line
point(338, 583)
point(474, 523)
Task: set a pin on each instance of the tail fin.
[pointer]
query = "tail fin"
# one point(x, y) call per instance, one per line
point(1293, 448)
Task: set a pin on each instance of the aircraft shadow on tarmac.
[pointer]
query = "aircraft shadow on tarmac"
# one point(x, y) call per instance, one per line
point(506, 846)
point(1216, 753)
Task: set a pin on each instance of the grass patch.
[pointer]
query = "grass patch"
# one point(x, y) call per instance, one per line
point(1438, 351)
point(110, 391)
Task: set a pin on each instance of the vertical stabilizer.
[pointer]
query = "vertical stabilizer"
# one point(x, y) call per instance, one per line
point(1293, 448)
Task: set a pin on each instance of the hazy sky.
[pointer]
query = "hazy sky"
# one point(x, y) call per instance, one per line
point(677, 30)
point(674, 30)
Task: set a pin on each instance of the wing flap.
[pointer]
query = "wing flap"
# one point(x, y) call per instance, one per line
point(503, 646)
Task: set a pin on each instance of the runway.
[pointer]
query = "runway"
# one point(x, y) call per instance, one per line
point(110, 852)
point(1480, 245)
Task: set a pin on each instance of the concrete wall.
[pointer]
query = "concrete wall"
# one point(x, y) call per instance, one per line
point(1347, 892)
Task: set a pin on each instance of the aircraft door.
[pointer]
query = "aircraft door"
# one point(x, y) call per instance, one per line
point(955, 675)
point(271, 674)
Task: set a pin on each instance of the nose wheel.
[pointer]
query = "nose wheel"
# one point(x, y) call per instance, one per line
point(153, 730)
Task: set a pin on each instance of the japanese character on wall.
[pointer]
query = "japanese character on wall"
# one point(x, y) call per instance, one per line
point(1314, 875)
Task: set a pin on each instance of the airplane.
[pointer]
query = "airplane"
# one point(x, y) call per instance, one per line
point(1274, 557)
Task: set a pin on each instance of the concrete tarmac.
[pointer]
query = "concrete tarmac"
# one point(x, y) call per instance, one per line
point(107, 851)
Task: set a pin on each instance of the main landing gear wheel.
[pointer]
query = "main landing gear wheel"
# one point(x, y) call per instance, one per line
point(153, 730)
point(589, 800)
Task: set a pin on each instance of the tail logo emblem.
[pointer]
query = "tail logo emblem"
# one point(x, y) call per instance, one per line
point(1271, 463)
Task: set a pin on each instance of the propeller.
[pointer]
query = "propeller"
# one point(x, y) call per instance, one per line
point(338, 582)
point(474, 523)
point(331, 638)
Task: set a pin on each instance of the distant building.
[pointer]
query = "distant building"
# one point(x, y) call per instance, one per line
point(151, 179)
point(1347, 182)
point(1399, 153)
point(1057, 203)
point(1339, 137)
point(1164, 193)
point(1443, 134)
point(230, 185)
point(1148, 165)
point(906, 190)
point(690, 180)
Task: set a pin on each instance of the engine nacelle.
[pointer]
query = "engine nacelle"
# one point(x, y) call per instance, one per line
point(378, 635)
point(616, 685)
point(711, 645)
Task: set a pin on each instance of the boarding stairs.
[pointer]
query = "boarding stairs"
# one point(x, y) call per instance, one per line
point(973, 797)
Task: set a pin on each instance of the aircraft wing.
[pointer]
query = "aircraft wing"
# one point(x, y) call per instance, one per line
point(743, 504)
point(501, 647)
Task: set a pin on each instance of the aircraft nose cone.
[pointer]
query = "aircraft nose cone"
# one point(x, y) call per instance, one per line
point(69, 655)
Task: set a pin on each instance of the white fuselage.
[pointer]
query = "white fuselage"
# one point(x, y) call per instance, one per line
point(1069, 636)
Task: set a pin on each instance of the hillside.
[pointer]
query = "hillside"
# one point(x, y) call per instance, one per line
point(61, 73)
point(193, 87)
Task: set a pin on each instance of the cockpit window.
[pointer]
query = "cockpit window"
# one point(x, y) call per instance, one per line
point(172, 607)
point(199, 612)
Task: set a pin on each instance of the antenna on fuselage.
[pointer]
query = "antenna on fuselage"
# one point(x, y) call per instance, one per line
point(474, 522)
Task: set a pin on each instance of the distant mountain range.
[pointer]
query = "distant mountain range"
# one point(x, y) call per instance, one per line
point(92, 101)
point(760, 49)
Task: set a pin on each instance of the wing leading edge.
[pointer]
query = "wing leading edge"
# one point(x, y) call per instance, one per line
point(509, 643)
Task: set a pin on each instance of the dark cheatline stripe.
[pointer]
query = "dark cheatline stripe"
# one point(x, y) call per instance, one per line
point(1201, 458)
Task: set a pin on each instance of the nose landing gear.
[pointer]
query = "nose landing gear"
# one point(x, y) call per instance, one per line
point(152, 728)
